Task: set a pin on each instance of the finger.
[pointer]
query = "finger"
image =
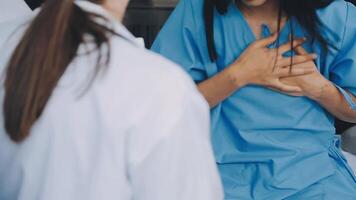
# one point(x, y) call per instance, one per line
point(288, 47)
point(267, 41)
point(300, 50)
point(296, 60)
point(294, 94)
point(288, 72)
point(286, 88)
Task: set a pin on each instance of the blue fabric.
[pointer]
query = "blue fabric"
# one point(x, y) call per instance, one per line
point(269, 145)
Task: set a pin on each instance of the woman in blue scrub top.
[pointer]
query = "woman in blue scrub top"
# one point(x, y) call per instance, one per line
point(272, 118)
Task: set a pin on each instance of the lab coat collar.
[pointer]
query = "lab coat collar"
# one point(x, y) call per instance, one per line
point(117, 26)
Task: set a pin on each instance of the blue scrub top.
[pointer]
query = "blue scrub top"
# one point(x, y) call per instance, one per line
point(267, 145)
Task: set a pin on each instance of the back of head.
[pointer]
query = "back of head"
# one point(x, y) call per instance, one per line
point(40, 59)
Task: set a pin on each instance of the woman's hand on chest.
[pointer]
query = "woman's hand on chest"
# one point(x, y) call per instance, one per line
point(260, 65)
point(312, 84)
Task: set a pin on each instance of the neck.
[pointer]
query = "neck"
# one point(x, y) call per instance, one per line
point(116, 9)
point(268, 11)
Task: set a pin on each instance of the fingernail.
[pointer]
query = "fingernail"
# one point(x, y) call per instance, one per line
point(314, 55)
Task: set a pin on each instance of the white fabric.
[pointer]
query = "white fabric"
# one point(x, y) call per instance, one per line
point(351, 160)
point(140, 41)
point(140, 132)
point(10, 9)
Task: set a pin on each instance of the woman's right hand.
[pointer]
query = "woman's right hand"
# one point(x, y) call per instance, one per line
point(259, 65)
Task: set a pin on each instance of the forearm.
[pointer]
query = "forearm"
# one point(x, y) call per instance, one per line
point(221, 86)
point(334, 102)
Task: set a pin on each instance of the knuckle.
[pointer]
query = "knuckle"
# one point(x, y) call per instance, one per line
point(272, 53)
point(298, 59)
point(276, 71)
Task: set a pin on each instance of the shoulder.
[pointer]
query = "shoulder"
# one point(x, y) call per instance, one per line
point(191, 11)
point(336, 18)
point(149, 72)
point(11, 32)
point(196, 5)
point(13, 28)
point(149, 83)
point(335, 12)
point(155, 66)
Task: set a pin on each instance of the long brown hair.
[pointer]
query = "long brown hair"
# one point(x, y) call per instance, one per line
point(42, 56)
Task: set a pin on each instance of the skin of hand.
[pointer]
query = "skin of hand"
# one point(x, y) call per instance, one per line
point(316, 87)
point(258, 65)
point(312, 84)
point(266, 67)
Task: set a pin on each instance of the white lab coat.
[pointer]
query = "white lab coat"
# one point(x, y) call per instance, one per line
point(351, 160)
point(140, 132)
point(10, 9)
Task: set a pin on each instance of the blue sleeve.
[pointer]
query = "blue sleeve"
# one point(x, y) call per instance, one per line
point(343, 70)
point(182, 39)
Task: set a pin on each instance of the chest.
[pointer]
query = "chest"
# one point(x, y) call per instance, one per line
point(257, 25)
point(233, 34)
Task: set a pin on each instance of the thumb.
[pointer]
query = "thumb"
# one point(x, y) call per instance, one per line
point(268, 41)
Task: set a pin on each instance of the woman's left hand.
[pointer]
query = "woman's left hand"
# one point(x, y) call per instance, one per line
point(316, 87)
point(311, 84)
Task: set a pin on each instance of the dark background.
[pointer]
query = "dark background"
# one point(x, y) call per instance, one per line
point(145, 18)
point(33, 3)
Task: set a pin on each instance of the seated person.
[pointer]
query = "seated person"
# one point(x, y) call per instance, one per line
point(275, 73)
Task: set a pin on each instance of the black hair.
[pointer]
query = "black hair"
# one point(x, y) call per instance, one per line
point(303, 10)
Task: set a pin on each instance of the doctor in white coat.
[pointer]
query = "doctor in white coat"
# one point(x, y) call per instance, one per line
point(89, 114)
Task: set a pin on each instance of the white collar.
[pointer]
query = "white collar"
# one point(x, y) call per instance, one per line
point(116, 25)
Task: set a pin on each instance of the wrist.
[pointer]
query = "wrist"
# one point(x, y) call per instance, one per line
point(321, 90)
point(237, 76)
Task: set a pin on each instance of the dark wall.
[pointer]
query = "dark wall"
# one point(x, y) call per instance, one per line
point(33, 4)
point(145, 18)
point(36, 3)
